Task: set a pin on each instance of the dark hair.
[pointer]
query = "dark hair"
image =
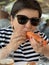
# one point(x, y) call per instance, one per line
point(21, 4)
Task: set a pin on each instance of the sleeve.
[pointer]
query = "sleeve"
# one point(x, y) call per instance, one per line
point(2, 38)
point(5, 35)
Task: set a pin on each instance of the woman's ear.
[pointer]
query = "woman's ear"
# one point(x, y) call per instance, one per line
point(12, 21)
point(11, 18)
point(12, 24)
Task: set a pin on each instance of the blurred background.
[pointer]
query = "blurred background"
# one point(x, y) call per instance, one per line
point(7, 5)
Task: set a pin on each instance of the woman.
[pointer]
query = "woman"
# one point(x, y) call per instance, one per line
point(25, 16)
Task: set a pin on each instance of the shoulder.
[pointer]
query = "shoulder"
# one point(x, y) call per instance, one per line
point(5, 32)
point(5, 35)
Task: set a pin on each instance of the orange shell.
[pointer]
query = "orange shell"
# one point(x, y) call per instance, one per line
point(36, 37)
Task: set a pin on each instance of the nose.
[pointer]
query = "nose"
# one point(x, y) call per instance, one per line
point(28, 25)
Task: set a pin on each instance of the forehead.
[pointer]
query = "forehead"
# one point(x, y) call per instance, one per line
point(28, 12)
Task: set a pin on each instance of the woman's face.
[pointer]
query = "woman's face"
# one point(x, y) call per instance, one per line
point(29, 13)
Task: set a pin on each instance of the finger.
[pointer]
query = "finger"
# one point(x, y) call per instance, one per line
point(35, 44)
point(20, 38)
point(20, 32)
point(16, 45)
point(16, 40)
point(32, 40)
point(18, 35)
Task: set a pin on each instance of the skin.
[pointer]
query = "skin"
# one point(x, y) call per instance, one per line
point(19, 33)
point(28, 26)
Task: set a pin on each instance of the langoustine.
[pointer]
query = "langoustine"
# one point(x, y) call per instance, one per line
point(36, 37)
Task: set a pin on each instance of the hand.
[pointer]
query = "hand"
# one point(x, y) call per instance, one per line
point(17, 38)
point(36, 46)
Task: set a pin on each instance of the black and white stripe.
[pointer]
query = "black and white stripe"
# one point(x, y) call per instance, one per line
point(25, 52)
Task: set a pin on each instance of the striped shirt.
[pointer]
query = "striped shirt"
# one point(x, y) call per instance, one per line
point(25, 52)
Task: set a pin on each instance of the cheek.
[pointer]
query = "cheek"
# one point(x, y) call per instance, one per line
point(33, 28)
point(18, 27)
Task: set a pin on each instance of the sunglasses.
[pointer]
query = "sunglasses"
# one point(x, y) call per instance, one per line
point(22, 19)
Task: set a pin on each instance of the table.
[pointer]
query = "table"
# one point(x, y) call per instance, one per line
point(24, 63)
point(20, 63)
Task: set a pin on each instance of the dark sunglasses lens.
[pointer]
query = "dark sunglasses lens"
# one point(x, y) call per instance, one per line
point(35, 21)
point(22, 19)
